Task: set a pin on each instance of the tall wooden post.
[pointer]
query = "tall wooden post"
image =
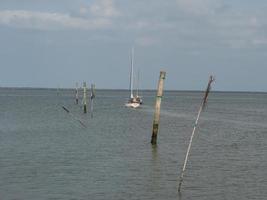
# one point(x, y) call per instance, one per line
point(77, 94)
point(157, 108)
point(84, 98)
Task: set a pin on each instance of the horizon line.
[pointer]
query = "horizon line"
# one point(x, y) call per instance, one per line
point(123, 89)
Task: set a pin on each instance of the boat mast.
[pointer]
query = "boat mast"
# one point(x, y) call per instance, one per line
point(137, 86)
point(131, 74)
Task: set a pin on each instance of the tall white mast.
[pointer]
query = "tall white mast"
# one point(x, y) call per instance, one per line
point(131, 74)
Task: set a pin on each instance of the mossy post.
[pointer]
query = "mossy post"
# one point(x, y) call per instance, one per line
point(84, 98)
point(77, 94)
point(157, 108)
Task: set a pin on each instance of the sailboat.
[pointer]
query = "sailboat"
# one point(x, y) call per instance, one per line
point(133, 101)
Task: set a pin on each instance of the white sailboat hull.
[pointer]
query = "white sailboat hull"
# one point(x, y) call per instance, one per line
point(132, 105)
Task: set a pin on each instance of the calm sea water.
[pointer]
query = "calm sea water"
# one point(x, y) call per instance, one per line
point(46, 154)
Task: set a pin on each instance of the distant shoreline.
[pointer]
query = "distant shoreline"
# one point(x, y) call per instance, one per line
point(105, 89)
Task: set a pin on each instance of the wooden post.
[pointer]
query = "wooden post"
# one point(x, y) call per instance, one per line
point(157, 108)
point(92, 99)
point(203, 104)
point(84, 98)
point(77, 94)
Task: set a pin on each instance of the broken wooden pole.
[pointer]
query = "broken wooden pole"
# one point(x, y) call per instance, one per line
point(84, 98)
point(202, 106)
point(157, 108)
point(77, 94)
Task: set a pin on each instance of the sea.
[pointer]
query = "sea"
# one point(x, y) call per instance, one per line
point(47, 154)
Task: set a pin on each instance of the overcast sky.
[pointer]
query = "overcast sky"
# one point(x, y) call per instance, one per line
point(51, 43)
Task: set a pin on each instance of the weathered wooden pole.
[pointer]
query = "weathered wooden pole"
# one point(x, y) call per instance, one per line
point(77, 94)
point(84, 98)
point(202, 106)
point(92, 99)
point(157, 108)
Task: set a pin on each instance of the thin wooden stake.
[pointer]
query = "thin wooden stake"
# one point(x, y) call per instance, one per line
point(203, 104)
point(84, 98)
point(80, 121)
point(157, 108)
point(92, 99)
point(77, 94)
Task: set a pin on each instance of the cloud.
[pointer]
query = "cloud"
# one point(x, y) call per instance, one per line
point(221, 24)
point(146, 41)
point(101, 8)
point(83, 10)
point(260, 41)
point(240, 30)
point(199, 7)
point(50, 21)
point(184, 23)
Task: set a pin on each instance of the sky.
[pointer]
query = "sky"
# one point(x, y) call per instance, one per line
point(56, 43)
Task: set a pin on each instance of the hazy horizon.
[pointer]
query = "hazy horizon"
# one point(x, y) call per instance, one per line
point(122, 89)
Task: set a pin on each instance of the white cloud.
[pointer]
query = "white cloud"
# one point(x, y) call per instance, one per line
point(104, 8)
point(49, 21)
point(83, 10)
